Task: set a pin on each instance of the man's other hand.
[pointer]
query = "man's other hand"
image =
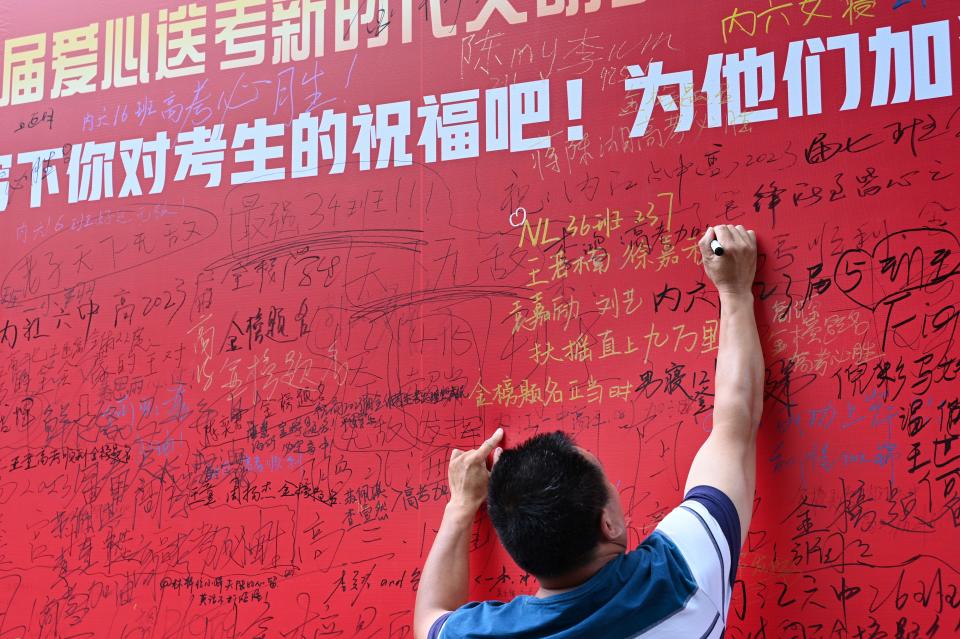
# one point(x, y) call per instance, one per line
point(469, 475)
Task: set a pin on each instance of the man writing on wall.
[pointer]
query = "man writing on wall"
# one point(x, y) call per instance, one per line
point(560, 519)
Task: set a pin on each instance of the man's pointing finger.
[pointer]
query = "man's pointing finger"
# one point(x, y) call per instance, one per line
point(487, 447)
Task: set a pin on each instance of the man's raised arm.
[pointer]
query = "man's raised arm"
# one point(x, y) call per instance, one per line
point(727, 460)
point(445, 581)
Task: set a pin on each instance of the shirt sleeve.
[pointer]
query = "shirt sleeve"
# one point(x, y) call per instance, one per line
point(437, 626)
point(706, 529)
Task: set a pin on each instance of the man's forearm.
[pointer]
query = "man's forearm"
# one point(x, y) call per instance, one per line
point(738, 402)
point(445, 581)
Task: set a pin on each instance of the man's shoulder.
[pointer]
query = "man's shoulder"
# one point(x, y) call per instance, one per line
point(649, 581)
point(482, 618)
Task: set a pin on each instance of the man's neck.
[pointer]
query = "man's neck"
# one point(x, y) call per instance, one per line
point(606, 552)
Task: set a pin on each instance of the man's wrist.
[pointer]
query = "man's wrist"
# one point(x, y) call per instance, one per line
point(730, 296)
point(460, 512)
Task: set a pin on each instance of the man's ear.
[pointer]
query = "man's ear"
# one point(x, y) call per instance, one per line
point(611, 526)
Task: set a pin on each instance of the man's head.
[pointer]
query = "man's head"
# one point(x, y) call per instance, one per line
point(552, 505)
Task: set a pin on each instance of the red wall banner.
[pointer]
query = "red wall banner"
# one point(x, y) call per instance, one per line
point(265, 263)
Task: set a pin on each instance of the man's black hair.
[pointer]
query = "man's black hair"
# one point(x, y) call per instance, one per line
point(545, 500)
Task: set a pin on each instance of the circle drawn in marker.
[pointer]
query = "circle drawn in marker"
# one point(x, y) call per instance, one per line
point(520, 213)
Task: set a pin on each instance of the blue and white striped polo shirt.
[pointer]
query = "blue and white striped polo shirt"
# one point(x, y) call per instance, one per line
point(677, 583)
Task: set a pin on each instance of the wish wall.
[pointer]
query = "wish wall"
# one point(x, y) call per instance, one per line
point(264, 264)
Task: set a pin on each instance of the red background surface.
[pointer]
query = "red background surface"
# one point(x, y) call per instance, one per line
point(405, 279)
